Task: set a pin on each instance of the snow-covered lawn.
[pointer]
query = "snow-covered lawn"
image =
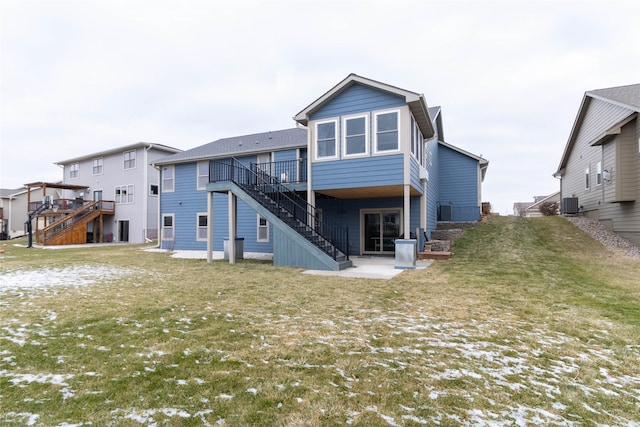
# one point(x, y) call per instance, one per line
point(404, 367)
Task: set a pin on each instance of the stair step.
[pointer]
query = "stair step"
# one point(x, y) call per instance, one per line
point(435, 255)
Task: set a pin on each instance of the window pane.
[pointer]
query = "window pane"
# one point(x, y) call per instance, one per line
point(202, 220)
point(326, 148)
point(168, 221)
point(388, 121)
point(356, 144)
point(356, 126)
point(326, 131)
point(388, 141)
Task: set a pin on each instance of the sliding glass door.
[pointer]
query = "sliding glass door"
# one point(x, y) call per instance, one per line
point(380, 228)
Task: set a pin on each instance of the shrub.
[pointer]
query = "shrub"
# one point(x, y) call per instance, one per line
point(549, 208)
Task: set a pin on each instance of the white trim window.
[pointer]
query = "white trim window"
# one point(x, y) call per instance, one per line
point(97, 167)
point(598, 173)
point(74, 170)
point(168, 179)
point(262, 232)
point(201, 226)
point(167, 226)
point(202, 175)
point(587, 181)
point(326, 140)
point(387, 135)
point(124, 194)
point(129, 158)
point(355, 136)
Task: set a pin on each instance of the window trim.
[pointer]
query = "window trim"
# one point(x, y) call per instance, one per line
point(375, 131)
point(335, 140)
point(124, 160)
point(173, 227)
point(74, 170)
point(100, 166)
point(165, 189)
point(198, 176)
point(199, 227)
point(258, 227)
point(345, 119)
point(128, 193)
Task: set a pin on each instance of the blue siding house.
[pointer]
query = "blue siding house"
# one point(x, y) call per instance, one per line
point(366, 165)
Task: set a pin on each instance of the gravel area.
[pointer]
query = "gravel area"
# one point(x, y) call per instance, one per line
point(608, 238)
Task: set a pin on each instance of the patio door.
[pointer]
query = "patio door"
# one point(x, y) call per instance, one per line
point(379, 230)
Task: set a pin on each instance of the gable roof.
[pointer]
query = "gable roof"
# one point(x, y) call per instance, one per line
point(245, 144)
point(623, 96)
point(118, 150)
point(415, 101)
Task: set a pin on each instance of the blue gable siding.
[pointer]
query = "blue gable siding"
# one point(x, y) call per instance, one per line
point(459, 184)
point(355, 99)
point(362, 172)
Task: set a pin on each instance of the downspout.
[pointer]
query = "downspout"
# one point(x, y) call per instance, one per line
point(145, 199)
point(159, 169)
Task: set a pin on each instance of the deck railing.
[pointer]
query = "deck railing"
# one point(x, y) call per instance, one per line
point(68, 221)
point(287, 171)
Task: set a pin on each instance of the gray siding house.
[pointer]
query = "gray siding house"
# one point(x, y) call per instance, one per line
point(600, 166)
point(123, 175)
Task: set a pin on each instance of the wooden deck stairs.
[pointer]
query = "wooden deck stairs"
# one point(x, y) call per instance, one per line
point(72, 227)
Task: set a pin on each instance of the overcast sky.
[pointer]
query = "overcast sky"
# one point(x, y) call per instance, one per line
point(79, 77)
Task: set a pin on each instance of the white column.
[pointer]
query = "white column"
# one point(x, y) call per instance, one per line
point(407, 211)
point(209, 226)
point(232, 228)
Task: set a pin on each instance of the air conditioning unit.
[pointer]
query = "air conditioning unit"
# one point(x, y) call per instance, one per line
point(569, 206)
point(446, 213)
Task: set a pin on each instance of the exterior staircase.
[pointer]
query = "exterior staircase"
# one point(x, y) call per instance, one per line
point(71, 228)
point(302, 237)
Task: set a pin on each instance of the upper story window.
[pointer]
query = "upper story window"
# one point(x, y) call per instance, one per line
point(326, 140)
point(97, 166)
point(130, 159)
point(124, 194)
point(355, 136)
point(387, 137)
point(202, 175)
point(598, 173)
point(74, 170)
point(168, 181)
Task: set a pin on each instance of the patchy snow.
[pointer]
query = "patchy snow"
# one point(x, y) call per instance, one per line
point(79, 275)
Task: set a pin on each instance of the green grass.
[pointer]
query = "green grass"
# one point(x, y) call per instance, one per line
point(530, 322)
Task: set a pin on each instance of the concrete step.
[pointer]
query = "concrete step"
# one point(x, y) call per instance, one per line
point(435, 255)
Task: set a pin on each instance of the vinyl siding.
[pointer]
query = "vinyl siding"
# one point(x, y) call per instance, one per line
point(414, 175)
point(599, 117)
point(433, 184)
point(355, 173)
point(459, 184)
point(356, 99)
point(620, 156)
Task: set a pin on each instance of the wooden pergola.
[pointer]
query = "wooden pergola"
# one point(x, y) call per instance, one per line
point(45, 185)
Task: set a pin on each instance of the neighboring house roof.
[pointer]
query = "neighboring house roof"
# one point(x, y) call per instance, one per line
point(245, 144)
point(623, 96)
point(484, 163)
point(149, 145)
point(6, 193)
point(550, 198)
point(520, 207)
point(415, 101)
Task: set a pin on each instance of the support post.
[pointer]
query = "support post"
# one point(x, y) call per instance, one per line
point(210, 226)
point(232, 227)
point(407, 212)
